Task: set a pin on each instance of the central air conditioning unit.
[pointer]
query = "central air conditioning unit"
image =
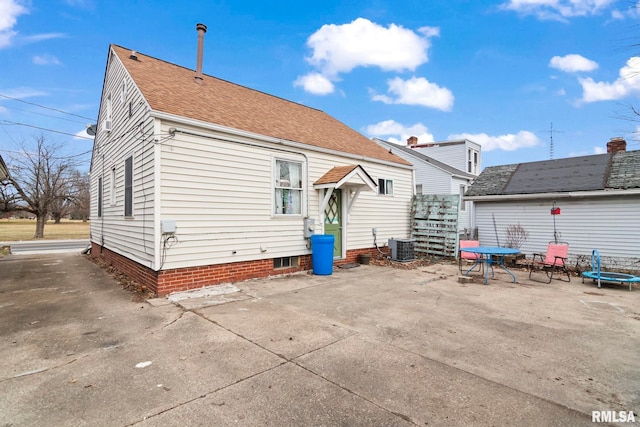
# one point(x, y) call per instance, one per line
point(402, 249)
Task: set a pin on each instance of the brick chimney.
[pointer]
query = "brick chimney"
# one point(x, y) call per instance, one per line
point(412, 140)
point(616, 144)
point(201, 28)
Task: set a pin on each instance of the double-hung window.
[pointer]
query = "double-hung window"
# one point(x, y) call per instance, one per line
point(463, 204)
point(128, 186)
point(288, 187)
point(385, 186)
point(112, 191)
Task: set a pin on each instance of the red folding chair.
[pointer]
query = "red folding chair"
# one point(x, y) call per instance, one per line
point(468, 256)
point(554, 260)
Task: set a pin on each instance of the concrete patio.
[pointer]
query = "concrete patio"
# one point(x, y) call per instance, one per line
point(370, 346)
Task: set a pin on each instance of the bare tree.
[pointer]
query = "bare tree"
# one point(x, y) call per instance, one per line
point(61, 206)
point(8, 199)
point(81, 197)
point(40, 180)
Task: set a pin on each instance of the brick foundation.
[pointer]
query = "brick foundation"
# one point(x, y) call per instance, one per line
point(167, 281)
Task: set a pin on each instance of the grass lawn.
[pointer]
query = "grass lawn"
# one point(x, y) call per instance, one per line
point(24, 229)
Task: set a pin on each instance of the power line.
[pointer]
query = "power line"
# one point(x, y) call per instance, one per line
point(45, 129)
point(49, 115)
point(43, 106)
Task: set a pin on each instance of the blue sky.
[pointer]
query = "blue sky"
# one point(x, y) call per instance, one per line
point(496, 72)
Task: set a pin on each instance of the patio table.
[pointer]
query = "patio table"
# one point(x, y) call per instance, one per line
point(487, 253)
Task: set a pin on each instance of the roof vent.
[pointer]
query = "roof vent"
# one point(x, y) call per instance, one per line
point(133, 55)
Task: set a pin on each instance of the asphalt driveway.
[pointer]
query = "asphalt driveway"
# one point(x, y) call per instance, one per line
point(365, 346)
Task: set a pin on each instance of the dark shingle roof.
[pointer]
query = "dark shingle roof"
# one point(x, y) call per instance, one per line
point(586, 173)
point(172, 89)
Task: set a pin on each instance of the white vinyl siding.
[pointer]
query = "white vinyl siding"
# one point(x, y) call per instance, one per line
point(456, 154)
point(131, 136)
point(609, 224)
point(220, 195)
point(435, 180)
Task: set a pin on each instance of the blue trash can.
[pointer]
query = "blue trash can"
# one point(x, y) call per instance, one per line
point(322, 254)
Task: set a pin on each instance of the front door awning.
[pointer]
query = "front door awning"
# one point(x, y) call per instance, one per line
point(352, 178)
point(346, 176)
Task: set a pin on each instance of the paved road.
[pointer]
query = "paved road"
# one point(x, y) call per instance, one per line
point(32, 247)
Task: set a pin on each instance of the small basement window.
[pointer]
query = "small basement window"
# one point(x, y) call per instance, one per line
point(285, 262)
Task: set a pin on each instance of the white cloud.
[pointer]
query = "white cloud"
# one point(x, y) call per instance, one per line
point(509, 142)
point(46, 59)
point(599, 150)
point(627, 83)
point(395, 132)
point(9, 12)
point(417, 91)
point(557, 9)
point(315, 83)
point(362, 43)
point(632, 12)
point(22, 92)
point(85, 4)
point(573, 63)
point(43, 37)
point(339, 49)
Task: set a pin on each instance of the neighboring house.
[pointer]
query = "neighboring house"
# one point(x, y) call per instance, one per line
point(435, 177)
point(4, 171)
point(198, 181)
point(598, 197)
point(461, 154)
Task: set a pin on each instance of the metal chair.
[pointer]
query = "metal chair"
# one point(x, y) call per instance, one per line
point(554, 260)
point(476, 258)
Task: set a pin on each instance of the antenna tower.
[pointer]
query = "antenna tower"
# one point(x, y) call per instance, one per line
point(551, 147)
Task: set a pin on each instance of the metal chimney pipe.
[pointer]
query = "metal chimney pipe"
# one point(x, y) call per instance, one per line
point(201, 28)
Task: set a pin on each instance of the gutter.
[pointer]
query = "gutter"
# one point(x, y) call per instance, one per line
point(556, 195)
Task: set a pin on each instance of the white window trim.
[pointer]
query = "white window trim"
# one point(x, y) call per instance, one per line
point(100, 204)
point(463, 204)
point(386, 183)
point(124, 204)
point(274, 177)
point(123, 91)
point(112, 191)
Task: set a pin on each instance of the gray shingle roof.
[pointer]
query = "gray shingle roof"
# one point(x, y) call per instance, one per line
point(586, 173)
